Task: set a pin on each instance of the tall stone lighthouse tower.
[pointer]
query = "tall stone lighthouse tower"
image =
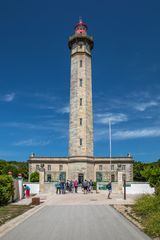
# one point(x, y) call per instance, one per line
point(81, 116)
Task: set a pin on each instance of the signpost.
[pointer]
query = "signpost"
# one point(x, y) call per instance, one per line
point(124, 185)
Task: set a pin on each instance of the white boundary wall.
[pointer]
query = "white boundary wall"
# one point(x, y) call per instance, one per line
point(139, 188)
point(34, 187)
point(131, 187)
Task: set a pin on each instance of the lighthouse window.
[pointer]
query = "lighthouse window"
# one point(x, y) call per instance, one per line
point(100, 167)
point(80, 101)
point(80, 82)
point(80, 121)
point(49, 167)
point(80, 141)
point(60, 167)
point(80, 63)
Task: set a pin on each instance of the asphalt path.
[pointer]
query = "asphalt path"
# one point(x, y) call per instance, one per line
point(96, 222)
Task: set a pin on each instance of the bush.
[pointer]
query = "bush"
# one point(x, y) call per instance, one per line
point(34, 177)
point(152, 224)
point(148, 208)
point(6, 189)
point(147, 204)
point(94, 186)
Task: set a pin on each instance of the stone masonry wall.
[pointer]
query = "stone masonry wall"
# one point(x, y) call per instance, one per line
point(84, 110)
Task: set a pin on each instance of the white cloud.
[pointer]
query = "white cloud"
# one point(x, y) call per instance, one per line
point(64, 109)
point(32, 142)
point(8, 97)
point(139, 133)
point(143, 106)
point(113, 117)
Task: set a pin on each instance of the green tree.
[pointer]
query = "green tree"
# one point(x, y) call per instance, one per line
point(6, 189)
point(34, 177)
point(137, 168)
point(10, 168)
point(152, 175)
point(3, 163)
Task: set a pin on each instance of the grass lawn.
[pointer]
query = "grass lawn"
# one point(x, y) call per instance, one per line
point(11, 211)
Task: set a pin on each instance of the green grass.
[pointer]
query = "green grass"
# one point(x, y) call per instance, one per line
point(11, 211)
point(147, 208)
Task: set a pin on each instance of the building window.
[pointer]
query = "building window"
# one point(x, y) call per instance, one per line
point(80, 101)
point(112, 178)
point(37, 167)
point(49, 167)
point(123, 167)
point(49, 178)
point(100, 167)
point(80, 63)
point(80, 46)
point(119, 166)
point(80, 82)
point(112, 167)
point(60, 167)
point(80, 141)
point(99, 177)
point(80, 121)
point(124, 177)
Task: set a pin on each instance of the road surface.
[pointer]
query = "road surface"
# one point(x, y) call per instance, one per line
point(83, 222)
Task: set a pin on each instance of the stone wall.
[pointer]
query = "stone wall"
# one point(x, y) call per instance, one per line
point(81, 110)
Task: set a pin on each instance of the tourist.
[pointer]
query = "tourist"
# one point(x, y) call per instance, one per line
point(62, 187)
point(27, 191)
point(70, 186)
point(58, 187)
point(67, 185)
point(85, 186)
point(75, 185)
point(109, 187)
point(91, 185)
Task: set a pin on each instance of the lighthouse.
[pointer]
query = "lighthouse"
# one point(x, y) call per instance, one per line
point(81, 115)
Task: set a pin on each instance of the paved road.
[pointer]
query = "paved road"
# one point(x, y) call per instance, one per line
point(85, 222)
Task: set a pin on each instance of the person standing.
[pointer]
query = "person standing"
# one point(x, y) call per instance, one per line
point(109, 187)
point(75, 185)
point(85, 186)
point(58, 187)
point(27, 191)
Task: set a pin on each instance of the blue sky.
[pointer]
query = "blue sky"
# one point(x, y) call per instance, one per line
point(35, 76)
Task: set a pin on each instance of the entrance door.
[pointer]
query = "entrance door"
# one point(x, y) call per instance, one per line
point(80, 178)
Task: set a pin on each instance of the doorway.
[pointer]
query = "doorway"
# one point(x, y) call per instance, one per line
point(80, 178)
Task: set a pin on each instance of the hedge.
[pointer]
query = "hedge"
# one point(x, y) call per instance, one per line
point(6, 189)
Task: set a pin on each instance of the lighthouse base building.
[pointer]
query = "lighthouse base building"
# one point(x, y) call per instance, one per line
point(81, 163)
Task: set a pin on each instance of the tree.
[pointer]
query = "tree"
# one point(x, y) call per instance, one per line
point(3, 163)
point(152, 175)
point(34, 177)
point(14, 167)
point(137, 168)
point(6, 189)
point(10, 168)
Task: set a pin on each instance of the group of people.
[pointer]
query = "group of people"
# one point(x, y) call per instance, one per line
point(87, 186)
point(72, 186)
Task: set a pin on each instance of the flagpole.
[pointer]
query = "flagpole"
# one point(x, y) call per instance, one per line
point(110, 145)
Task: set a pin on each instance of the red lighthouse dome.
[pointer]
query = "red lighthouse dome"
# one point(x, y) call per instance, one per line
point(81, 27)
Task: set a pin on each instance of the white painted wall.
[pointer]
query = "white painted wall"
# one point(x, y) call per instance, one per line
point(139, 188)
point(132, 188)
point(34, 187)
